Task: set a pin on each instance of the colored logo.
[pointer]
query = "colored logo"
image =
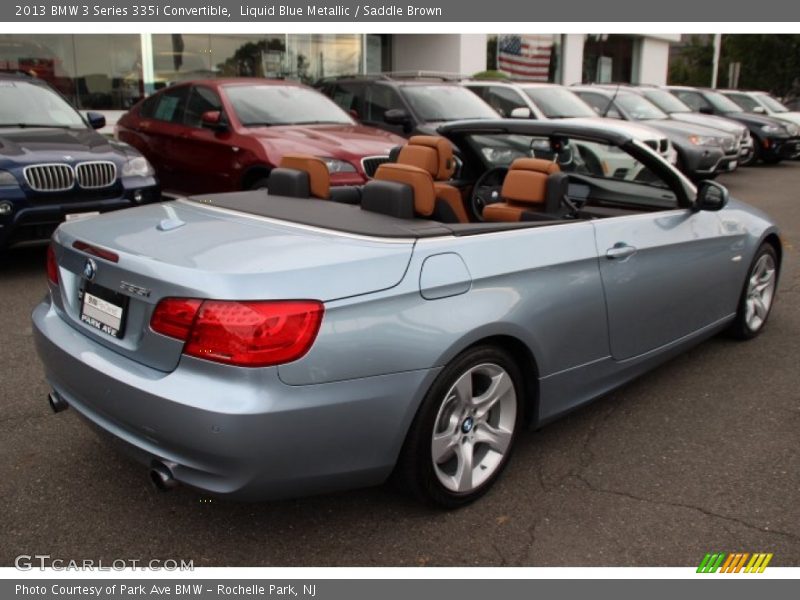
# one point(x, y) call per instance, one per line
point(735, 562)
point(89, 269)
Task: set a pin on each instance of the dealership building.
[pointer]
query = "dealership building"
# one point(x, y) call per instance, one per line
point(110, 72)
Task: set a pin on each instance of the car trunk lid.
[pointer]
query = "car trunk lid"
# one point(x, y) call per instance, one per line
point(132, 259)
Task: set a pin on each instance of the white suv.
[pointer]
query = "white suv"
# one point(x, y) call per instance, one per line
point(761, 103)
point(525, 100)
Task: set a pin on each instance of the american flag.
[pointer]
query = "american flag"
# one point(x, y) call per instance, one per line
point(525, 56)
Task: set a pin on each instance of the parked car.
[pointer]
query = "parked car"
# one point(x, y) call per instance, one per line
point(251, 345)
point(55, 166)
point(223, 135)
point(702, 152)
point(405, 104)
point(530, 100)
point(744, 149)
point(774, 140)
point(761, 103)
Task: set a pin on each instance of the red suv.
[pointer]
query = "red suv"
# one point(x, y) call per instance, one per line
point(227, 134)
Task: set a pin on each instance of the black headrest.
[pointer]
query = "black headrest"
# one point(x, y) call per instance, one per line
point(388, 198)
point(557, 188)
point(289, 182)
point(346, 194)
point(394, 154)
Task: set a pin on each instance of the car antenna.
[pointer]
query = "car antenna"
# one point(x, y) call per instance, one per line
point(611, 101)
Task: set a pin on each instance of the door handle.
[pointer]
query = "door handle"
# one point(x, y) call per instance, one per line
point(620, 250)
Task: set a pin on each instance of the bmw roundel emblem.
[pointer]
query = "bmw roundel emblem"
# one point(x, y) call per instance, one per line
point(89, 269)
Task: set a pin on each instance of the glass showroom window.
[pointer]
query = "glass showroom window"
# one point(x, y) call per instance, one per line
point(180, 57)
point(99, 72)
point(249, 56)
point(608, 58)
point(314, 56)
point(108, 71)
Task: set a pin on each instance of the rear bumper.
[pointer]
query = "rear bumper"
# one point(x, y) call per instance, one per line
point(33, 221)
point(229, 431)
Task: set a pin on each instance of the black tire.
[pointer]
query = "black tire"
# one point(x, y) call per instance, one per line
point(772, 160)
point(743, 328)
point(416, 469)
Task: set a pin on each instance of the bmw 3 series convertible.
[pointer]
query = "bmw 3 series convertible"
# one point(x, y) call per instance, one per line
point(304, 339)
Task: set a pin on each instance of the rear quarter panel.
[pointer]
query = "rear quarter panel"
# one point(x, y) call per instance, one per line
point(539, 285)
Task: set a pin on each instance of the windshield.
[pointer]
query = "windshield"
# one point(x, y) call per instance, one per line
point(558, 103)
point(640, 109)
point(772, 104)
point(24, 104)
point(721, 103)
point(446, 103)
point(264, 105)
point(666, 101)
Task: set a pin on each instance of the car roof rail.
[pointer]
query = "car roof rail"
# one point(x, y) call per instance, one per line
point(396, 76)
point(440, 75)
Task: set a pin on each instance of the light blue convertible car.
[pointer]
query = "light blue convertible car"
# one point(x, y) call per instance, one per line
point(270, 344)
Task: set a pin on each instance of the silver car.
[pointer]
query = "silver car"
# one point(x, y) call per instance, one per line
point(257, 345)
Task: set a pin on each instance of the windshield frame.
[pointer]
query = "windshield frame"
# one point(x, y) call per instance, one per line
point(416, 107)
point(231, 92)
point(622, 96)
point(721, 102)
point(669, 98)
point(37, 122)
point(530, 92)
point(771, 104)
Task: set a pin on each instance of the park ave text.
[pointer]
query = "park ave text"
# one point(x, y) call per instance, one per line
point(178, 589)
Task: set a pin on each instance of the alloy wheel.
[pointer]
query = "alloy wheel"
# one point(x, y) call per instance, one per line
point(474, 428)
point(760, 292)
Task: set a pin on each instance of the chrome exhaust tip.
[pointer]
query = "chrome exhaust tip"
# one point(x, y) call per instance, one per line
point(161, 477)
point(56, 402)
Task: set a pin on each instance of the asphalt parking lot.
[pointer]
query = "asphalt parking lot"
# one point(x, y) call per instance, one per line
point(700, 455)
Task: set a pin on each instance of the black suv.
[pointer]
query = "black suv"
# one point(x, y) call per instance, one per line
point(405, 103)
point(774, 140)
point(55, 166)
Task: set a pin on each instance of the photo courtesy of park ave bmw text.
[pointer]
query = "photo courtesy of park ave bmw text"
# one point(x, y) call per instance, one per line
point(306, 292)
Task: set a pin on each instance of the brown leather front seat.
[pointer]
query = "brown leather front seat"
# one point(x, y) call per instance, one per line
point(434, 154)
point(419, 180)
point(531, 186)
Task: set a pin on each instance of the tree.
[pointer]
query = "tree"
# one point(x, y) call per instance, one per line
point(769, 62)
point(692, 62)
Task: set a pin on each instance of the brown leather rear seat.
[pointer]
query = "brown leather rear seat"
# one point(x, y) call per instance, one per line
point(419, 180)
point(306, 176)
point(533, 188)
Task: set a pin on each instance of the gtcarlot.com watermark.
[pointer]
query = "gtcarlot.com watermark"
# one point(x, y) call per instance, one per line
point(28, 562)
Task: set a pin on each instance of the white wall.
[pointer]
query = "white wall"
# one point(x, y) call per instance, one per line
point(653, 61)
point(572, 58)
point(451, 53)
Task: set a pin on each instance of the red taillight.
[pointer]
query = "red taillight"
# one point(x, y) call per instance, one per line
point(174, 317)
point(52, 265)
point(246, 334)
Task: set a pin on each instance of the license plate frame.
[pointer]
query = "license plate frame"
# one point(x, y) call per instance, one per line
point(103, 309)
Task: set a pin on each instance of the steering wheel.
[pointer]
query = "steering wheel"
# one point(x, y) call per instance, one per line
point(486, 191)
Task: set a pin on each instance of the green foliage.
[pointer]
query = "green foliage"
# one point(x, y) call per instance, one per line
point(769, 62)
point(691, 64)
point(491, 74)
point(491, 53)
